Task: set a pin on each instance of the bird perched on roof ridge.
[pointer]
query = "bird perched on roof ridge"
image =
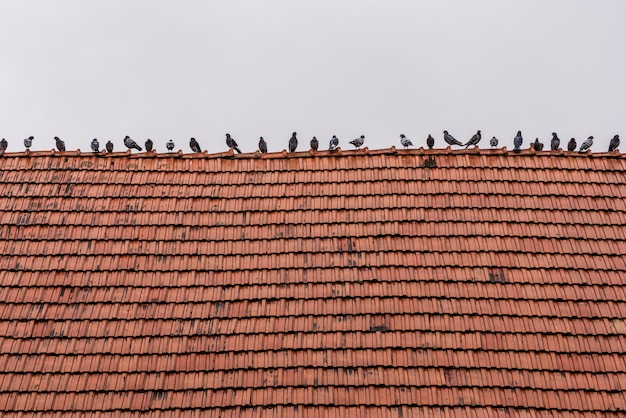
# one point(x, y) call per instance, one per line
point(149, 145)
point(3, 146)
point(109, 146)
point(450, 140)
point(612, 145)
point(28, 142)
point(169, 145)
point(586, 144)
point(537, 146)
point(474, 140)
point(130, 144)
point(517, 141)
point(293, 142)
point(95, 145)
point(232, 144)
point(59, 143)
point(571, 145)
point(334, 143)
point(315, 144)
point(555, 142)
point(430, 141)
point(493, 142)
point(358, 142)
point(406, 142)
point(262, 145)
point(193, 144)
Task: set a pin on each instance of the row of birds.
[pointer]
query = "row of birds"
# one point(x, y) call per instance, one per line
point(555, 143)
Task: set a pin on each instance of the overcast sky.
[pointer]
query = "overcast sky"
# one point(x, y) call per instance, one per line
point(175, 69)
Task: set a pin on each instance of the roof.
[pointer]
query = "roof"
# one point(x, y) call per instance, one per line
point(388, 283)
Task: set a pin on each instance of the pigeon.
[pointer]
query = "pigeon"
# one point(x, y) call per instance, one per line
point(293, 142)
point(450, 139)
point(612, 145)
point(315, 144)
point(430, 141)
point(169, 145)
point(262, 145)
point(358, 142)
point(586, 144)
point(517, 141)
point(555, 142)
point(28, 142)
point(232, 144)
point(195, 147)
point(95, 145)
point(3, 146)
point(60, 144)
point(334, 143)
point(109, 146)
point(474, 140)
point(571, 145)
point(149, 145)
point(131, 144)
point(537, 146)
point(406, 142)
point(493, 142)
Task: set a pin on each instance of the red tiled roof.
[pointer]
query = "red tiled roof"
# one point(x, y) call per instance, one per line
point(356, 284)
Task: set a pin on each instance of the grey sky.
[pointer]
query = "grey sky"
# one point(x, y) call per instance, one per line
point(164, 69)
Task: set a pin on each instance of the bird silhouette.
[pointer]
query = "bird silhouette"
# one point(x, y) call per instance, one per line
point(293, 143)
point(555, 142)
point(612, 145)
point(571, 145)
point(95, 145)
point(130, 144)
point(493, 142)
point(169, 145)
point(474, 140)
point(193, 144)
point(517, 142)
point(450, 140)
point(315, 144)
point(262, 145)
point(232, 144)
point(59, 143)
point(406, 142)
point(149, 145)
point(586, 144)
point(109, 146)
point(358, 142)
point(28, 142)
point(3, 146)
point(334, 143)
point(537, 146)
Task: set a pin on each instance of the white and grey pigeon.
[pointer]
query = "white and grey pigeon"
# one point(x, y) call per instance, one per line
point(334, 143)
point(169, 145)
point(3, 145)
point(315, 144)
point(109, 146)
point(95, 145)
point(450, 140)
point(358, 142)
point(193, 144)
point(474, 140)
point(555, 142)
point(406, 142)
point(517, 142)
point(293, 142)
point(612, 145)
point(571, 145)
point(232, 144)
point(130, 144)
point(59, 143)
point(586, 144)
point(28, 142)
point(493, 142)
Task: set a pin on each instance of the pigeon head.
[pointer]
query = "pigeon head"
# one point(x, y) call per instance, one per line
point(56, 137)
point(445, 132)
point(590, 137)
point(402, 136)
point(478, 131)
point(362, 136)
point(553, 134)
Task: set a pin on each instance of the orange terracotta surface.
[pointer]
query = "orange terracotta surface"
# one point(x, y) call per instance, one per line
point(387, 283)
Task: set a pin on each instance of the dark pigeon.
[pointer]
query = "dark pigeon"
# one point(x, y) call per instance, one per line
point(109, 146)
point(358, 142)
point(262, 145)
point(586, 144)
point(537, 146)
point(193, 144)
point(612, 145)
point(517, 142)
point(493, 142)
point(406, 142)
point(169, 145)
point(130, 144)
point(232, 144)
point(334, 143)
point(60, 144)
point(555, 142)
point(95, 145)
point(28, 142)
point(293, 142)
point(474, 140)
point(430, 141)
point(3, 145)
point(450, 140)
point(571, 145)
point(149, 145)
point(315, 144)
